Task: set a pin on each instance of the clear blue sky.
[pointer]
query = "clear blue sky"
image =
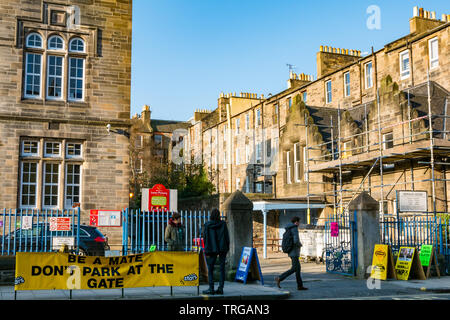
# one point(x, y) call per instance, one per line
point(185, 52)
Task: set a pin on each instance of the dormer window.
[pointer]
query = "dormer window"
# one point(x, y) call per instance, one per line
point(56, 43)
point(34, 40)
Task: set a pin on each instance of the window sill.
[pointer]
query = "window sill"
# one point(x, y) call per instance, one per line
point(70, 104)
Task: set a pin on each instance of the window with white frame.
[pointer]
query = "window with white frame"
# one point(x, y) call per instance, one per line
point(54, 77)
point(30, 148)
point(73, 150)
point(247, 121)
point(28, 184)
point(288, 167)
point(305, 96)
point(57, 85)
point(52, 149)
point(258, 118)
point(50, 191)
point(247, 153)
point(259, 152)
point(76, 45)
point(34, 40)
point(328, 92)
point(50, 186)
point(433, 46)
point(305, 164)
point(297, 163)
point(238, 161)
point(55, 43)
point(238, 183)
point(405, 68)
point(73, 185)
point(368, 75)
point(33, 71)
point(76, 79)
point(289, 103)
point(347, 84)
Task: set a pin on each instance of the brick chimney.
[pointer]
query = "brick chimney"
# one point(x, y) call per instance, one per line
point(423, 21)
point(146, 115)
point(298, 80)
point(330, 59)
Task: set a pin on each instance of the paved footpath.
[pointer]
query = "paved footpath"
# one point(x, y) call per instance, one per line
point(322, 286)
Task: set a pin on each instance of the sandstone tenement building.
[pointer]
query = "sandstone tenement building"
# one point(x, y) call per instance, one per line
point(65, 75)
point(362, 124)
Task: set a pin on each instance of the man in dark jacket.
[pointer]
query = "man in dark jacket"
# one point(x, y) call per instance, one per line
point(294, 254)
point(217, 243)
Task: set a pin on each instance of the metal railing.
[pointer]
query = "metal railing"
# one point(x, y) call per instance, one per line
point(415, 231)
point(143, 231)
point(32, 230)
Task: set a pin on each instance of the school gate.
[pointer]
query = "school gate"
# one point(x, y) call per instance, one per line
point(340, 250)
point(143, 231)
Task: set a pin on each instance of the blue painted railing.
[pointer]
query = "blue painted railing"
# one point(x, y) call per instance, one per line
point(28, 230)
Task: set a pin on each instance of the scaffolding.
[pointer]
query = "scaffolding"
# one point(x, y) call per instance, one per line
point(424, 136)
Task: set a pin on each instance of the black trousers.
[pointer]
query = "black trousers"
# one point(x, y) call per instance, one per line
point(296, 268)
point(211, 260)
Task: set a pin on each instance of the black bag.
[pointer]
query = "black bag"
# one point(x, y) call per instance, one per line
point(287, 243)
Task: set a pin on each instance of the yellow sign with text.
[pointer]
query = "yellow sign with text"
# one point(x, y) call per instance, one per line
point(404, 262)
point(380, 262)
point(62, 271)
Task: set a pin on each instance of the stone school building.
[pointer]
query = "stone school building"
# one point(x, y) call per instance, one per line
point(65, 76)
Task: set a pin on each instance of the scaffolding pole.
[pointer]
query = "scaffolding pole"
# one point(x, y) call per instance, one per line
point(430, 126)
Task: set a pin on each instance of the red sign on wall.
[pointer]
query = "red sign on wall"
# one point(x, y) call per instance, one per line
point(60, 223)
point(159, 198)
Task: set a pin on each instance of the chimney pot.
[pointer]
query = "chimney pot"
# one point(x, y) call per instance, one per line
point(421, 13)
point(415, 11)
point(321, 48)
point(433, 15)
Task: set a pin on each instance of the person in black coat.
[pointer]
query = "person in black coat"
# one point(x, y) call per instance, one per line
point(217, 243)
point(294, 254)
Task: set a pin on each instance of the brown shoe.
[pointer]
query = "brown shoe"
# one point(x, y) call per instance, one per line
point(277, 280)
point(302, 288)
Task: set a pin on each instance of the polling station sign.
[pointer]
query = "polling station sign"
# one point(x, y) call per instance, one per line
point(62, 271)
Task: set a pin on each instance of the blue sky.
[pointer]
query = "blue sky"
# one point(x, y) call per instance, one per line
point(185, 52)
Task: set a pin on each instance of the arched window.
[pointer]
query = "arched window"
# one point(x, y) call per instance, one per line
point(34, 40)
point(55, 43)
point(76, 45)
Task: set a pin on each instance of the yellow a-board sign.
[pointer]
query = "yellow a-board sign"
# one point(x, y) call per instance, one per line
point(61, 271)
point(408, 264)
point(382, 263)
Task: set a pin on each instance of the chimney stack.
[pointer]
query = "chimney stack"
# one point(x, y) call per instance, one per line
point(424, 20)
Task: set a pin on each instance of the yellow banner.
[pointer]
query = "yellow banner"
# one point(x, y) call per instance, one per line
point(380, 262)
point(62, 271)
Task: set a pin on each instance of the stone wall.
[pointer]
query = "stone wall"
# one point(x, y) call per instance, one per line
point(105, 28)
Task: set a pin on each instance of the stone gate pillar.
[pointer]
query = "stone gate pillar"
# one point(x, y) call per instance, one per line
point(368, 230)
point(238, 210)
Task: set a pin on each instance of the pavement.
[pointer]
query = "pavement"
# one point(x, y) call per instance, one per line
point(321, 285)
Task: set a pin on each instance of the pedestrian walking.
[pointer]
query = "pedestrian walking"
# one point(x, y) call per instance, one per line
point(217, 244)
point(293, 252)
point(174, 233)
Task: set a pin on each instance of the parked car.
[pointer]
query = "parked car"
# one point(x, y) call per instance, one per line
point(39, 239)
